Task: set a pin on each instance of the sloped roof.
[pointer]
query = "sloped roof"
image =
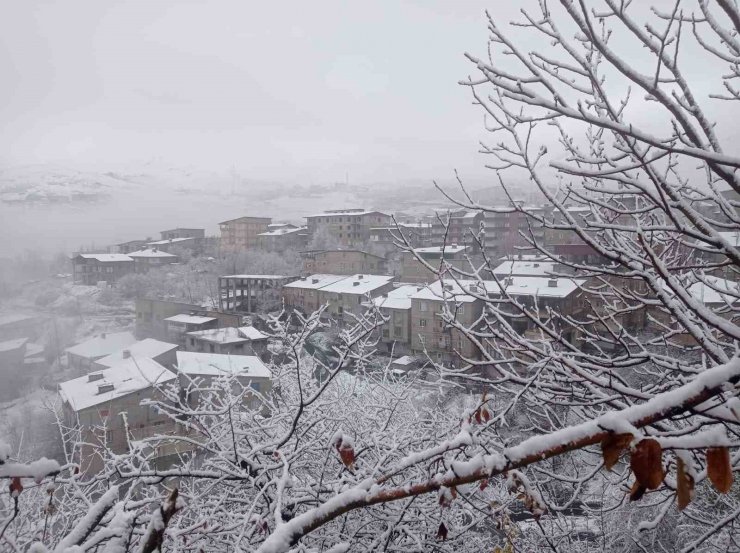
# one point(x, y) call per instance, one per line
point(189, 319)
point(358, 284)
point(398, 298)
point(149, 347)
point(525, 268)
point(102, 345)
point(315, 282)
point(127, 377)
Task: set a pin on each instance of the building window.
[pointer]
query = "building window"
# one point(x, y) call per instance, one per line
point(422, 323)
point(422, 306)
point(212, 348)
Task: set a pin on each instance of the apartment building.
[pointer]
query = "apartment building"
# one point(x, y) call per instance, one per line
point(151, 258)
point(242, 233)
point(414, 271)
point(91, 268)
point(173, 234)
point(350, 227)
point(506, 231)
point(342, 262)
point(345, 297)
point(385, 238)
point(245, 340)
point(105, 406)
point(149, 348)
point(284, 237)
point(457, 227)
point(395, 335)
point(303, 293)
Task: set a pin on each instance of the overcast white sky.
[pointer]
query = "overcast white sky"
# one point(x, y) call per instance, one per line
point(283, 90)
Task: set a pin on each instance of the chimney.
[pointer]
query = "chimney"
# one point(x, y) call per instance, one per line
point(92, 377)
point(126, 353)
point(360, 276)
point(552, 283)
point(104, 387)
point(315, 280)
point(356, 283)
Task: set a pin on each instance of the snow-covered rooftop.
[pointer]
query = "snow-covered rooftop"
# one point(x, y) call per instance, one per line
point(14, 318)
point(264, 277)
point(150, 252)
point(10, 345)
point(341, 212)
point(404, 361)
point(452, 248)
point(189, 319)
point(315, 282)
point(106, 257)
point(466, 290)
point(170, 241)
point(102, 345)
point(398, 298)
point(525, 268)
point(129, 376)
point(216, 364)
point(251, 333)
point(282, 230)
point(149, 347)
point(358, 284)
point(229, 335)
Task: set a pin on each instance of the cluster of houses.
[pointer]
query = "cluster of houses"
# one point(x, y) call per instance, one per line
point(118, 374)
point(177, 342)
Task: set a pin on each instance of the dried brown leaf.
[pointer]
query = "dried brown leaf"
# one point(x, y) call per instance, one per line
point(647, 463)
point(719, 468)
point(612, 447)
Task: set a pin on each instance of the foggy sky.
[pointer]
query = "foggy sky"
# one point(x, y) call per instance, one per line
point(282, 90)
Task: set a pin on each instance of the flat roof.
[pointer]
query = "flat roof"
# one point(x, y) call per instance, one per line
point(150, 252)
point(440, 249)
point(102, 345)
point(105, 257)
point(315, 282)
point(466, 290)
point(129, 376)
point(149, 347)
point(10, 345)
point(189, 319)
point(358, 284)
point(343, 212)
point(194, 363)
point(264, 277)
point(398, 298)
point(525, 268)
point(170, 241)
point(244, 218)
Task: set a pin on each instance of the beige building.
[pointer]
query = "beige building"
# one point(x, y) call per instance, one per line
point(342, 262)
point(351, 227)
point(284, 237)
point(396, 306)
point(105, 407)
point(242, 233)
point(345, 298)
point(91, 268)
point(414, 271)
point(303, 294)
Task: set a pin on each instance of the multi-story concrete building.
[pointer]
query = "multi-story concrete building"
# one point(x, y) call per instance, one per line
point(152, 315)
point(414, 271)
point(396, 305)
point(151, 258)
point(303, 293)
point(242, 233)
point(342, 262)
point(457, 227)
point(245, 340)
point(504, 231)
point(173, 234)
point(178, 326)
point(350, 227)
point(385, 238)
point(345, 297)
point(250, 293)
point(105, 406)
point(91, 268)
point(285, 237)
